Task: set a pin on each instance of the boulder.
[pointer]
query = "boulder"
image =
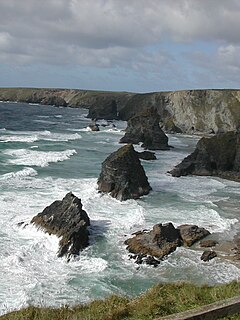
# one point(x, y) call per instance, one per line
point(159, 242)
point(68, 221)
point(191, 234)
point(144, 127)
point(146, 155)
point(215, 156)
point(123, 176)
point(208, 255)
point(152, 246)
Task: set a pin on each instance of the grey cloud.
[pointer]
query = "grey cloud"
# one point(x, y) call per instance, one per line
point(107, 33)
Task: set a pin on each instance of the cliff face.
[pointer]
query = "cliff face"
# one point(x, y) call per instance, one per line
point(186, 111)
point(190, 110)
point(65, 97)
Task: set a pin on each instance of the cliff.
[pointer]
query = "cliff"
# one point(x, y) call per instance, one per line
point(188, 111)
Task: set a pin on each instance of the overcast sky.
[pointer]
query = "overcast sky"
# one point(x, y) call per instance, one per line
point(121, 45)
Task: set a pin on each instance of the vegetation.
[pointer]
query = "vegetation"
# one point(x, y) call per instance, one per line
point(161, 300)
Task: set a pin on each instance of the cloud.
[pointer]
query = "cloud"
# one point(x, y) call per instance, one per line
point(139, 35)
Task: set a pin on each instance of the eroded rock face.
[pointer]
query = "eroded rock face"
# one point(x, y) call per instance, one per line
point(67, 220)
point(123, 176)
point(103, 108)
point(144, 127)
point(161, 241)
point(217, 156)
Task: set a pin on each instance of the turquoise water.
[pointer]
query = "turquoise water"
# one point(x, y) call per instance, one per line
point(46, 152)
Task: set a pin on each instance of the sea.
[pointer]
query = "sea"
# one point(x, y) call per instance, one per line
point(45, 152)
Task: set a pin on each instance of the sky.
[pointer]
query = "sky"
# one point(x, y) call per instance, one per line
point(120, 45)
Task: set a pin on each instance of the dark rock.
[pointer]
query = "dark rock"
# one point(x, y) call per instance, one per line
point(67, 220)
point(159, 242)
point(104, 108)
point(191, 234)
point(208, 243)
point(144, 127)
point(217, 156)
point(147, 155)
point(94, 126)
point(123, 175)
point(152, 261)
point(208, 255)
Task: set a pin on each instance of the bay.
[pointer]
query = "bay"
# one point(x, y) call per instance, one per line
point(46, 152)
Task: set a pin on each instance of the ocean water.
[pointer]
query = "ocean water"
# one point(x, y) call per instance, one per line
point(46, 152)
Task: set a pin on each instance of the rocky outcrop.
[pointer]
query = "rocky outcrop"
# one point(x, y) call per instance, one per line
point(217, 156)
point(208, 255)
point(123, 176)
point(161, 241)
point(144, 127)
point(68, 221)
point(94, 126)
point(192, 233)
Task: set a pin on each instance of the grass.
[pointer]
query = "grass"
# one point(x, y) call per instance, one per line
point(161, 300)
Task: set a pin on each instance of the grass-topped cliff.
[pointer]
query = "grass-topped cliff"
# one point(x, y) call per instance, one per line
point(188, 111)
point(159, 301)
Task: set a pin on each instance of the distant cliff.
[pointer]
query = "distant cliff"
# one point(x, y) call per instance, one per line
point(187, 111)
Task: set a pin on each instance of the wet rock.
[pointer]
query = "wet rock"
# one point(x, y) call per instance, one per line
point(159, 242)
point(68, 221)
point(147, 155)
point(123, 176)
point(208, 255)
point(191, 234)
point(144, 127)
point(217, 156)
point(208, 243)
point(94, 126)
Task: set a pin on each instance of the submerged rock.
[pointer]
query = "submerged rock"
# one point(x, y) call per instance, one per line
point(217, 156)
point(161, 241)
point(208, 243)
point(67, 220)
point(147, 155)
point(144, 127)
point(123, 176)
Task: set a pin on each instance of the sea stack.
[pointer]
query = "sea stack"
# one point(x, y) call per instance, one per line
point(144, 127)
point(123, 176)
point(68, 221)
point(215, 156)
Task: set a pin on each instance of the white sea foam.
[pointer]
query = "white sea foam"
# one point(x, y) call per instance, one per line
point(26, 172)
point(33, 136)
point(37, 158)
